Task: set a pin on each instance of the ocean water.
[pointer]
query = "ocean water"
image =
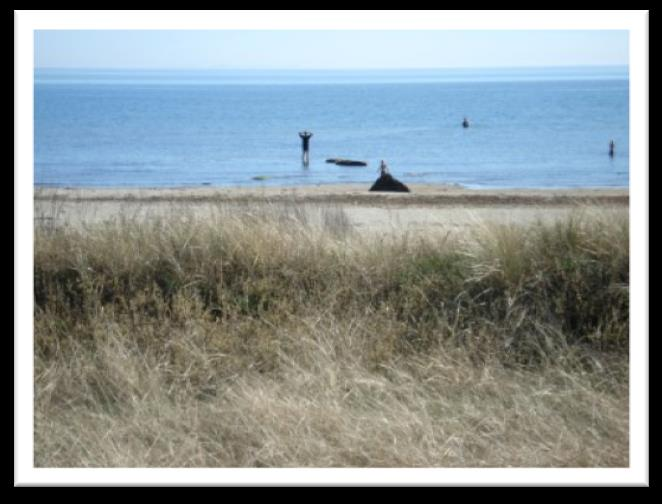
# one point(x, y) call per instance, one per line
point(530, 128)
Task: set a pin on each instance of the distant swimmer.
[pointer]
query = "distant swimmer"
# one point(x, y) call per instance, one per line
point(465, 123)
point(612, 146)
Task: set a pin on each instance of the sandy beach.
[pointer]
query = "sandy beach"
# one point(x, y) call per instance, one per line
point(427, 208)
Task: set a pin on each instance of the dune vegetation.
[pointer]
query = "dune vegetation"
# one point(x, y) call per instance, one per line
point(280, 337)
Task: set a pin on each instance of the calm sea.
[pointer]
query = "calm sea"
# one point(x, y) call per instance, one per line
point(535, 128)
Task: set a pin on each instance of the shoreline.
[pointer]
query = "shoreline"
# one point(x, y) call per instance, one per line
point(420, 195)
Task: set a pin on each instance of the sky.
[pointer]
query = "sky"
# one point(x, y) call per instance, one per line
point(327, 49)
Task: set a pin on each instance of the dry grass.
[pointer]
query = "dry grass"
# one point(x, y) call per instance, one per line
point(277, 336)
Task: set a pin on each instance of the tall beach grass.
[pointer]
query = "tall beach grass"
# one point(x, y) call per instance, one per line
point(279, 336)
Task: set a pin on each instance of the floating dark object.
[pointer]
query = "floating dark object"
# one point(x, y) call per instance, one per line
point(346, 162)
point(386, 182)
point(465, 123)
point(350, 162)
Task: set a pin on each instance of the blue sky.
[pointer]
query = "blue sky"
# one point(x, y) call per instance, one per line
point(332, 49)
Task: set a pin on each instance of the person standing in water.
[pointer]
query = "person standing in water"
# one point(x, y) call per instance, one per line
point(612, 146)
point(305, 144)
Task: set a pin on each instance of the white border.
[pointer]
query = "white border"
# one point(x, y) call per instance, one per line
point(335, 20)
point(28, 21)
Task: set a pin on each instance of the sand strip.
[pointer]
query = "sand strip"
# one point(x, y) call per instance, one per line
point(428, 208)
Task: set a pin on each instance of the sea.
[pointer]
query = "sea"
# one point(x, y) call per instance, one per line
point(528, 127)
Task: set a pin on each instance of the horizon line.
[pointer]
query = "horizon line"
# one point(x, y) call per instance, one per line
point(341, 69)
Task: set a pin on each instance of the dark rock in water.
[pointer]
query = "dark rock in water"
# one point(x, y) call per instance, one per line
point(387, 183)
point(349, 162)
point(346, 162)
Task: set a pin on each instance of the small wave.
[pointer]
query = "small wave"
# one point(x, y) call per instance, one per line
point(284, 176)
point(421, 174)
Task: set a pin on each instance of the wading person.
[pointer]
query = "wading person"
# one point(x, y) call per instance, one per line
point(305, 145)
